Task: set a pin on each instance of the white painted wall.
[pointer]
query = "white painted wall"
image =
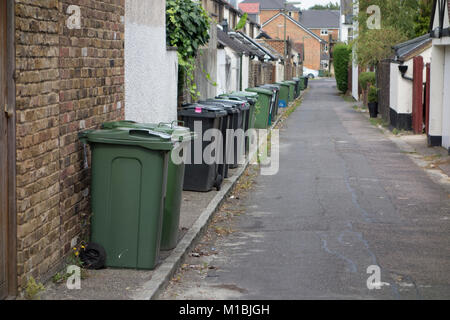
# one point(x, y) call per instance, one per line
point(446, 101)
point(245, 71)
point(221, 75)
point(233, 77)
point(355, 80)
point(401, 90)
point(279, 72)
point(436, 91)
point(150, 70)
point(355, 68)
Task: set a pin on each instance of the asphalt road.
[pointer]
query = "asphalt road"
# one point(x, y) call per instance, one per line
point(345, 198)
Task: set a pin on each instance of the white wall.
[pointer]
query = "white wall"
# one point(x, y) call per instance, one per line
point(221, 76)
point(355, 68)
point(150, 70)
point(436, 91)
point(401, 90)
point(279, 72)
point(446, 101)
point(245, 71)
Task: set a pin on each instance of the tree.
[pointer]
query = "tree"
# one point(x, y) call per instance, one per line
point(423, 17)
point(329, 6)
point(397, 25)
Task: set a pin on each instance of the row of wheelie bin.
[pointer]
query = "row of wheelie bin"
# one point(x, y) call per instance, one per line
point(139, 171)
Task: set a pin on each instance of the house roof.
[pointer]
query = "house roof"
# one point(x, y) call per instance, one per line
point(270, 4)
point(298, 24)
point(226, 41)
point(259, 50)
point(409, 49)
point(251, 8)
point(269, 48)
point(316, 19)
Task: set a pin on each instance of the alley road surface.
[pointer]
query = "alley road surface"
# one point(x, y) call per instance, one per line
point(346, 198)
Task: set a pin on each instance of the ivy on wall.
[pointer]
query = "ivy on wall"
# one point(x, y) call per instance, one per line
point(187, 26)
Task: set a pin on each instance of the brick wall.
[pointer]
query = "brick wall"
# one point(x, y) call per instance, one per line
point(296, 35)
point(67, 80)
point(254, 76)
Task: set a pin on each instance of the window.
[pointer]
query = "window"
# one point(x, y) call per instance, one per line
point(350, 34)
point(325, 48)
point(324, 32)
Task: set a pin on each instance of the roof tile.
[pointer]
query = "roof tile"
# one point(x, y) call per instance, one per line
point(251, 8)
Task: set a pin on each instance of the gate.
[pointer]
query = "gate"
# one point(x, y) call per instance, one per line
point(417, 109)
point(384, 85)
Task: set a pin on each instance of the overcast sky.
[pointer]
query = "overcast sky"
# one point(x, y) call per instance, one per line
point(309, 3)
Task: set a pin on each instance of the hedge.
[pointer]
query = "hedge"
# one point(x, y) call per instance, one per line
point(342, 56)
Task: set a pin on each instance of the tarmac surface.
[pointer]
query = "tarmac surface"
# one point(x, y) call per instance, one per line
point(346, 202)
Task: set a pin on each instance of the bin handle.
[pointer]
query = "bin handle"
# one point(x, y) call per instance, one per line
point(171, 124)
point(152, 133)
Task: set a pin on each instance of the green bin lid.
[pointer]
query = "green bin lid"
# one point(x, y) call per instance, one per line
point(245, 94)
point(282, 84)
point(261, 90)
point(178, 133)
point(141, 137)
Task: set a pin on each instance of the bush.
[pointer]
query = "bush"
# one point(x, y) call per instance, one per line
point(373, 94)
point(365, 78)
point(342, 56)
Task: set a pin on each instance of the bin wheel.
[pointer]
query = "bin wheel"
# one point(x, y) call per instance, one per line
point(93, 256)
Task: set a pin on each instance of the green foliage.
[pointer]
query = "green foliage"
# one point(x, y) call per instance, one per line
point(187, 26)
point(397, 25)
point(423, 17)
point(242, 22)
point(373, 46)
point(342, 57)
point(329, 6)
point(366, 78)
point(33, 289)
point(373, 94)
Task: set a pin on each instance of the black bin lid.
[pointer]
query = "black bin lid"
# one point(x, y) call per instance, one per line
point(241, 105)
point(199, 110)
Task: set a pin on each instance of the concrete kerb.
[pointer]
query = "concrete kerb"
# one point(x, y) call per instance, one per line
point(164, 272)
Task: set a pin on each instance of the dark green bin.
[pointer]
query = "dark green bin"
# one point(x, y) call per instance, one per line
point(263, 115)
point(175, 177)
point(129, 176)
point(292, 91)
point(284, 94)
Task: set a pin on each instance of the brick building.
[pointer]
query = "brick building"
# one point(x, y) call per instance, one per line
point(63, 70)
point(326, 25)
point(314, 46)
point(68, 76)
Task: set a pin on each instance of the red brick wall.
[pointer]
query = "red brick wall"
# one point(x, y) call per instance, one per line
point(296, 34)
point(334, 34)
point(67, 80)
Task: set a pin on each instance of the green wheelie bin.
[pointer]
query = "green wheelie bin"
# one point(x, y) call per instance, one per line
point(291, 90)
point(284, 94)
point(128, 186)
point(175, 175)
point(252, 114)
point(263, 115)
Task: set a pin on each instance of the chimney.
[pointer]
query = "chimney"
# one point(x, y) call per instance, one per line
point(224, 25)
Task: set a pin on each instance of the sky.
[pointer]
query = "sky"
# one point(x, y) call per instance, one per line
point(309, 3)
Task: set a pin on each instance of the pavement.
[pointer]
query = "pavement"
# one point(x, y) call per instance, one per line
point(124, 284)
point(350, 199)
